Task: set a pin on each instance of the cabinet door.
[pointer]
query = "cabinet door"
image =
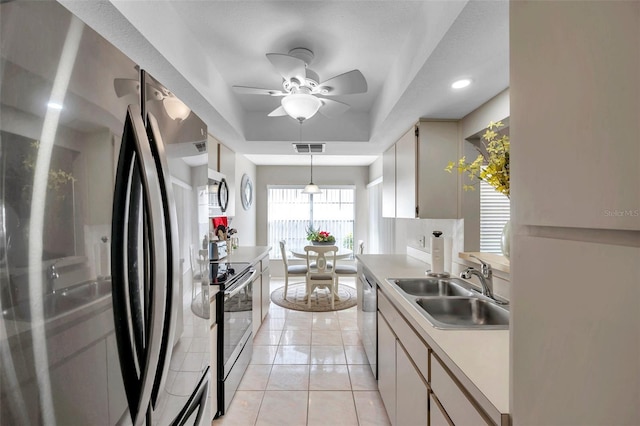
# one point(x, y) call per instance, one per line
point(389, 182)
point(406, 172)
point(266, 289)
point(387, 367)
point(437, 416)
point(437, 189)
point(256, 304)
point(584, 134)
point(412, 394)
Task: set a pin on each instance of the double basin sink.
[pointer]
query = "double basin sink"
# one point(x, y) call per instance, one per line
point(62, 301)
point(451, 303)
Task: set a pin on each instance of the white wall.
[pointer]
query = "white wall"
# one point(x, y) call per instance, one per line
point(244, 220)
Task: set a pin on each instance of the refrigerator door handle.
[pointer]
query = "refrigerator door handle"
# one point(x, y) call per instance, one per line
point(138, 359)
point(171, 260)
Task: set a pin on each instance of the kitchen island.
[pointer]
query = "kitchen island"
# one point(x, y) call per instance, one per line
point(466, 371)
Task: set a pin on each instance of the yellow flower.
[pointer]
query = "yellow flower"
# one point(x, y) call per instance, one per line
point(492, 166)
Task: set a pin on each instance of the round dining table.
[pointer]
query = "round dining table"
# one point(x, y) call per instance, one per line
point(343, 253)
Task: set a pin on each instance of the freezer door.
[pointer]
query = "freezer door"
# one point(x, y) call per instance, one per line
point(141, 255)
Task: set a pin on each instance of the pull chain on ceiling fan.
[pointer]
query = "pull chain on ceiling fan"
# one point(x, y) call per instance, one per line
point(301, 87)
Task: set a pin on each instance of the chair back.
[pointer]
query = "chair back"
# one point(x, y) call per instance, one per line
point(318, 258)
point(283, 251)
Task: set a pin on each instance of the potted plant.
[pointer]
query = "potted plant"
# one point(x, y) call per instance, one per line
point(320, 237)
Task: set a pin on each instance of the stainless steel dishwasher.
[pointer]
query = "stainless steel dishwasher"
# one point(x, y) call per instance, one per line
point(367, 318)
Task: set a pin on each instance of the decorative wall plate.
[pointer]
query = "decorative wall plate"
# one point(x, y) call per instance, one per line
point(246, 191)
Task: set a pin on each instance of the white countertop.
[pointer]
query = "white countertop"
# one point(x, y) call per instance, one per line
point(478, 358)
point(249, 254)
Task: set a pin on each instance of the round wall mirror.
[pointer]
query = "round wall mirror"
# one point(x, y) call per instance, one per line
point(246, 191)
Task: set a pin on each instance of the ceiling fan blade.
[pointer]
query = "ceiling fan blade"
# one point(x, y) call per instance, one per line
point(126, 86)
point(331, 108)
point(288, 66)
point(278, 112)
point(257, 91)
point(344, 84)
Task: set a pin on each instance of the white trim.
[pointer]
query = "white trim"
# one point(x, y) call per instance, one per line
point(181, 183)
point(375, 182)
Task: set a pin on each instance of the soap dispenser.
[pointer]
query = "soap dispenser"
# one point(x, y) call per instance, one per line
point(437, 253)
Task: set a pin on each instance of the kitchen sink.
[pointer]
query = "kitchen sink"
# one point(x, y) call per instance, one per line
point(464, 312)
point(431, 287)
point(453, 303)
point(62, 301)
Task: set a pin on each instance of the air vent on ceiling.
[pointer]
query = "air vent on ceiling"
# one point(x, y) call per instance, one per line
point(201, 146)
point(308, 148)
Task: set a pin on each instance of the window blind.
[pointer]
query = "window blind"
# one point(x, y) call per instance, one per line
point(495, 210)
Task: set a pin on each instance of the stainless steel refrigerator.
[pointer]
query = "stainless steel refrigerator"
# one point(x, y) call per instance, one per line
point(96, 325)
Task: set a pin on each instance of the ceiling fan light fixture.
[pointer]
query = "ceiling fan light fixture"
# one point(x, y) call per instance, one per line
point(301, 105)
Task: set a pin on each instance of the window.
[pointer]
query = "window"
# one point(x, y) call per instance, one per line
point(494, 212)
point(290, 213)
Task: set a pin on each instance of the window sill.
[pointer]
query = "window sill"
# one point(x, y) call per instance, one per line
point(497, 261)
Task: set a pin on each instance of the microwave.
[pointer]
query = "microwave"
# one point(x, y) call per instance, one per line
point(218, 193)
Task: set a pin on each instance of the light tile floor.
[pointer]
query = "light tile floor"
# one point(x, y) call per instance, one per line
point(307, 369)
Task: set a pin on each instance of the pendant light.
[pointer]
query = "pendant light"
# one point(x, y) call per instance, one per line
point(311, 188)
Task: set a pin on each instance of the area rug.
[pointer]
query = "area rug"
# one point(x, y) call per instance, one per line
point(320, 301)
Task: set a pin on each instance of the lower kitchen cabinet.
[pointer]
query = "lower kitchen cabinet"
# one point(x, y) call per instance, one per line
point(452, 397)
point(437, 416)
point(404, 391)
point(265, 285)
point(412, 392)
point(387, 367)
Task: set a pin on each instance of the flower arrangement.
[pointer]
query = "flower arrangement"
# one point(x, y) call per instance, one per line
point(320, 236)
point(491, 166)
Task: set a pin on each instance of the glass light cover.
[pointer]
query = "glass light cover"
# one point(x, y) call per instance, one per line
point(301, 105)
point(311, 188)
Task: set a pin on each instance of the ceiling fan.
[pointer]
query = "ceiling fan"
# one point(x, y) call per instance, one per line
point(301, 87)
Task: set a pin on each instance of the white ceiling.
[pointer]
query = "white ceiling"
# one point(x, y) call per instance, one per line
point(409, 51)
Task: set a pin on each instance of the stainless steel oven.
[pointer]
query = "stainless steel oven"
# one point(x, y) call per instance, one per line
point(234, 314)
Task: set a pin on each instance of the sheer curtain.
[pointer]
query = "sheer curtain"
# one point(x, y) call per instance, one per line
point(381, 230)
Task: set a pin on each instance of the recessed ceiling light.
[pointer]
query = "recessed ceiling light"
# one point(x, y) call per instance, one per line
point(460, 84)
point(54, 105)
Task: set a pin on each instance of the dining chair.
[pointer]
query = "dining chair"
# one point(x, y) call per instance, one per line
point(293, 270)
point(348, 270)
point(321, 276)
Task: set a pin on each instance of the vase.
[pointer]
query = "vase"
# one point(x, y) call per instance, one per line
point(505, 240)
point(322, 243)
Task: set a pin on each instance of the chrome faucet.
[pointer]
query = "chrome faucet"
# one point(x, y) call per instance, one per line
point(485, 276)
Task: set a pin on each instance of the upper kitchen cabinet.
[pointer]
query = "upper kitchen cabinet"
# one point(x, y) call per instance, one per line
point(389, 182)
point(423, 189)
point(575, 110)
point(437, 190)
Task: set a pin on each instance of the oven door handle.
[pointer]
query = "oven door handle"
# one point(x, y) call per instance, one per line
point(239, 287)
